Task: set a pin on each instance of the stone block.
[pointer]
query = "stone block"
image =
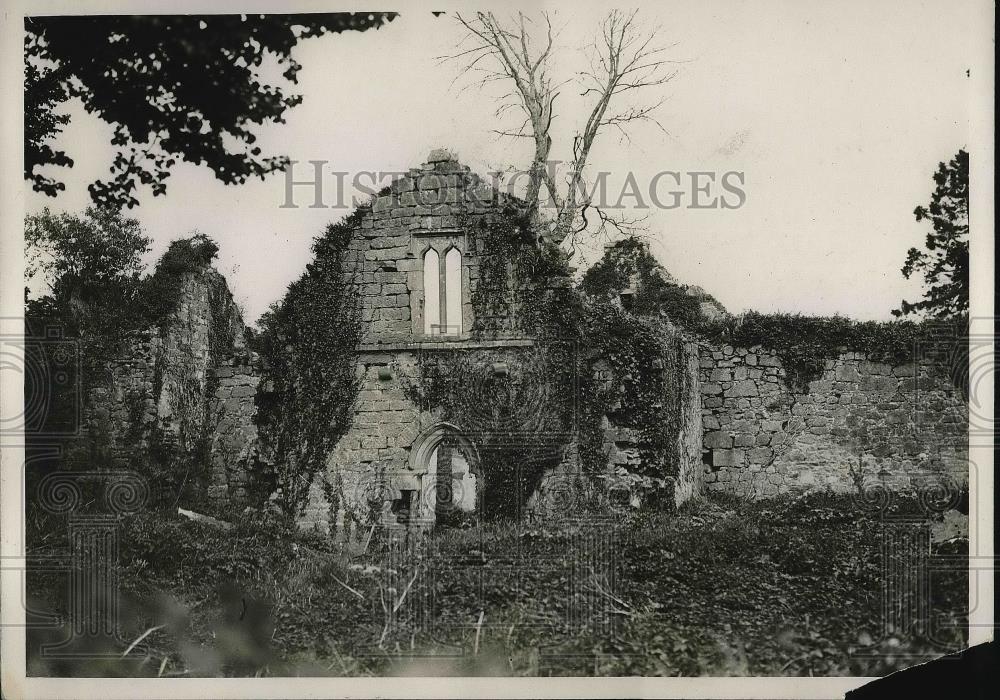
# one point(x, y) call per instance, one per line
point(439, 155)
point(747, 387)
point(432, 210)
point(847, 373)
point(403, 184)
point(721, 375)
point(432, 181)
point(384, 204)
point(723, 458)
point(718, 439)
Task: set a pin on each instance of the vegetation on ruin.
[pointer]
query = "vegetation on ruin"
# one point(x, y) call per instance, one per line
point(805, 343)
point(92, 291)
point(524, 421)
point(83, 281)
point(89, 294)
point(628, 262)
point(183, 258)
point(643, 395)
point(786, 587)
point(307, 344)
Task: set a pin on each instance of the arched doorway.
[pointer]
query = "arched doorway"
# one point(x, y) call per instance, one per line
point(447, 464)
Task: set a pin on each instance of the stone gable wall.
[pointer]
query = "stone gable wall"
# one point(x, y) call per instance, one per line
point(430, 206)
point(860, 422)
point(422, 209)
point(372, 465)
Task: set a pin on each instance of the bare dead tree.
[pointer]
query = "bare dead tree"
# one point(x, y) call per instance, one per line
point(509, 55)
point(623, 60)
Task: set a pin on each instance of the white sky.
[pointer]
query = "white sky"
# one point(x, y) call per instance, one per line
point(837, 113)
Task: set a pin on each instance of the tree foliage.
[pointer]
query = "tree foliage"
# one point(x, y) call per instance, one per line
point(174, 87)
point(945, 262)
point(92, 295)
point(88, 268)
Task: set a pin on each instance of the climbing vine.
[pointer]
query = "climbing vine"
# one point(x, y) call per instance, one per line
point(520, 282)
point(161, 291)
point(590, 359)
point(307, 345)
point(805, 343)
point(637, 383)
point(519, 417)
point(517, 404)
point(629, 262)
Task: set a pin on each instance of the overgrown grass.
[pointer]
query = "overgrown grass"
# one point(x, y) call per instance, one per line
point(785, 587)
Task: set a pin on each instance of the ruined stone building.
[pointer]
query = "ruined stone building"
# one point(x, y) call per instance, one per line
point(416, 266)
point(737, 425)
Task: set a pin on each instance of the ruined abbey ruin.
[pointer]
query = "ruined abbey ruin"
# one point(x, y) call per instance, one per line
point(737, 423)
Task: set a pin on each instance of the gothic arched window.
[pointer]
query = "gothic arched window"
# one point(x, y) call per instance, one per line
point(453, 291)
point(443, 292)
point(432, 290)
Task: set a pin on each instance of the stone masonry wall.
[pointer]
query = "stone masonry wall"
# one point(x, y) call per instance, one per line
point(859, 423)
point(423, 209)
point(371, 466)
point(376, 462)
point(623, 447)
point(181, 381)
point(234, 435)
point(373, 463)
point(690, 479)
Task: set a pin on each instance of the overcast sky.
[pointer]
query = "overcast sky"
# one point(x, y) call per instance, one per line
point(837, 113)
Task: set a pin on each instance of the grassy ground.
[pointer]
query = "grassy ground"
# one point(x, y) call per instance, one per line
point(784, 587)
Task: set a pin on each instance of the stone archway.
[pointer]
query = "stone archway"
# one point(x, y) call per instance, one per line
point(446, 462)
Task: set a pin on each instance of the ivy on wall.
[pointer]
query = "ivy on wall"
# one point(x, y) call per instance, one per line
point(629, 262)
point(521, 417)
point(805, 343)
point(639, 385)
point(307, 345)
point(524, 421)
point(519, 280)
point(161, 291)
